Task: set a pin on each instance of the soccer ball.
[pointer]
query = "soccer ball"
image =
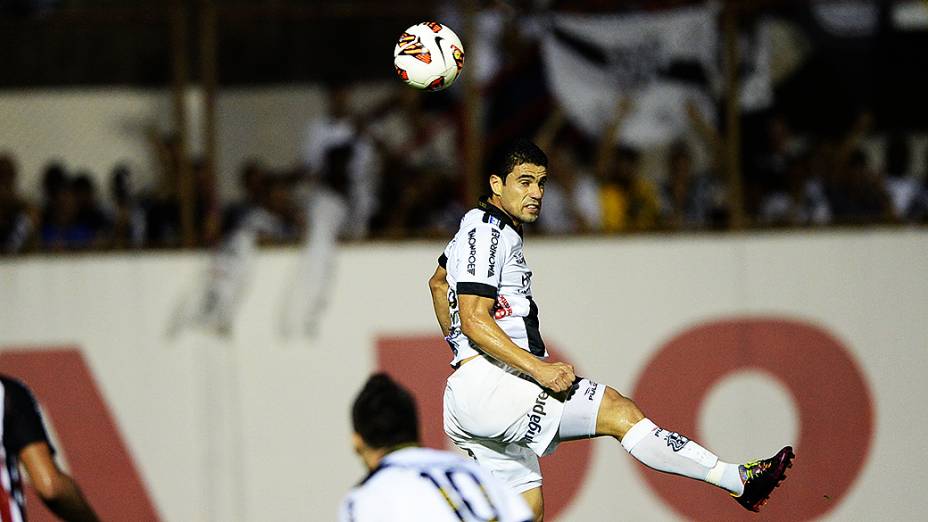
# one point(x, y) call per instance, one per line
point(428, 56)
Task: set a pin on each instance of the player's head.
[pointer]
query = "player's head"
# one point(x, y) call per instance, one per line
point(383, 417)
point(517, 180)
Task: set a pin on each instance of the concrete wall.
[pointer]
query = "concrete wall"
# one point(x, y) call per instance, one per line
point(744, 343)
point(94, 129)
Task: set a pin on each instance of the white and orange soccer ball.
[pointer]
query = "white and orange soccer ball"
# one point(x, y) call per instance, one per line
point(428, 56)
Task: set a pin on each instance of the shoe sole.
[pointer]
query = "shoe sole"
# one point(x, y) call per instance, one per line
point(787, 463)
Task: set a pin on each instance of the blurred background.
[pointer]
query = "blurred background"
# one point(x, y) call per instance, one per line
point(251, 191)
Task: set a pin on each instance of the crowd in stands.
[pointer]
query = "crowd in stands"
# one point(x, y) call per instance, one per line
point(396, 170)
point(396, 173)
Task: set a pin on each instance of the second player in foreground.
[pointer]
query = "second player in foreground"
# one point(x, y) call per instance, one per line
point(506, 404)
point(407, 483)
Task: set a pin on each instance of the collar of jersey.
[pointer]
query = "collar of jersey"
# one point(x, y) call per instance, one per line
point(384, 462)
point(491, 209)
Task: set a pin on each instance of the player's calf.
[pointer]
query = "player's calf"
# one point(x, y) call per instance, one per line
point(661, 449)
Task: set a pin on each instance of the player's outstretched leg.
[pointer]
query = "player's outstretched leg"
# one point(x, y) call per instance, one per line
point(670, 452)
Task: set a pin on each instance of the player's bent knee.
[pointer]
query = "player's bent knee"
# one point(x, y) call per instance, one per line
point(617, 414)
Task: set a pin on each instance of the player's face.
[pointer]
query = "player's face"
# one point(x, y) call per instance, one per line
point(520, 196)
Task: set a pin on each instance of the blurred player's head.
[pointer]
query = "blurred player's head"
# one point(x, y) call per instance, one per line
point(517, 180)
point(383, 417)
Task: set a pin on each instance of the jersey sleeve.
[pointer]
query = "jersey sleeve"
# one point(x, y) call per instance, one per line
point(481, 252)
point(23, 422)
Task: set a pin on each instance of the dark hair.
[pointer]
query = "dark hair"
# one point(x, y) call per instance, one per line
point(519, 152)
point(54, 179)
point(384, 413)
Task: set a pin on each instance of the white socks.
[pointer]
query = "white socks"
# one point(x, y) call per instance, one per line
point(671, 452)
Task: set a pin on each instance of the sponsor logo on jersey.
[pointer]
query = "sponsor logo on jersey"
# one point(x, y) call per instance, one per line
point(535, 417)
point(520, 259)
point(455, 328)
point(494, 243)
point(472, 258)
point(502, 308)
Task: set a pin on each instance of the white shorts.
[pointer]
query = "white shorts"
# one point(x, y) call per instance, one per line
point(506, 422)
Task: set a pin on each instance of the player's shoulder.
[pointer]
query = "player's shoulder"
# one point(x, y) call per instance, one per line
point(398, 475)
point(415, 460)
point(480, 223)
point(421, 457)
point(478, 217)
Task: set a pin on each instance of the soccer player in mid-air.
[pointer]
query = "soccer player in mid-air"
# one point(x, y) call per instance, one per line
point(408, 483)
point(506, 404)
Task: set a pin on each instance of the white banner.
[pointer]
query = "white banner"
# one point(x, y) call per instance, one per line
point(659, 60)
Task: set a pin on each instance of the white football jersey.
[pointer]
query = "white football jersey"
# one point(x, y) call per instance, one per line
point(420, 484)
point(485, 258)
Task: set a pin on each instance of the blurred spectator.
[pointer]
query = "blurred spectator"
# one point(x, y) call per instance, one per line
point(61, 227)
point(17, 218)
point(571, 202)
point(427, 204)
point(767, 169)
point(919, 210)
point(629, 202)
point(417, 141)
point(128, 218)
point(337, 128)
point(90, 214)
point(414, 130)
point(802, 203)
point(856, 193)
point(274, 219)
point(54, 180)
point(902, 187)
point(252, 181)
point(207, 214)
point(284, 221)
point(162, 202)
point(327, 213)
point(713, 147)
point(688, 198)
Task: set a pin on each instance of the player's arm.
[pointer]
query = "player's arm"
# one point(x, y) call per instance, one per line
point(25, 436)
point(478, 325)
point(57, 490)
point(438, 285)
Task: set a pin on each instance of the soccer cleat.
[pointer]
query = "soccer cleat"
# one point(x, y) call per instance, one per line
point(762, 476)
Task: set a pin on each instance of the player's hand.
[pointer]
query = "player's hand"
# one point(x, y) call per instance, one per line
point(557, 376)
